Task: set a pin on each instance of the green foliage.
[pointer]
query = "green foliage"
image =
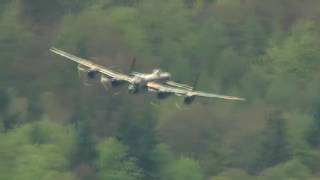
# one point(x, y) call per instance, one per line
point(114, 162)
point(138, 133)
point(85, 145)
point(54, 9)
point(294, 64)
point(297, 127)
point(298, 55)
point(163, 158)
point(4, 100)
point(290, 170)
point(40, 150)
point(14, 37)
point(275, 147)
point(265, 51)
point(313, 135)
point(184, 168)
point(233, 174)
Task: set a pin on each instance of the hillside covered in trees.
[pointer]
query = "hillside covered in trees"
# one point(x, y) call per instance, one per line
point(52, 127)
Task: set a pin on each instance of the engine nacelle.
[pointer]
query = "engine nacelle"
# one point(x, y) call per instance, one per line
point(87, 75)
point(188, 100)
point(106, 81)
point(116, 83)
point(133, 89)
point(163, 95)
point(92, 74)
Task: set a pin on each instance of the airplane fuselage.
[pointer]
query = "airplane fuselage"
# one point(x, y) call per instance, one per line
point(140, 80)
point(157, 76)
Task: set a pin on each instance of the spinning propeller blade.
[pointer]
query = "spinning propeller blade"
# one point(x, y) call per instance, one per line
point(154, 104)
point(196, 80)
point(132, 66)
point(178, 106)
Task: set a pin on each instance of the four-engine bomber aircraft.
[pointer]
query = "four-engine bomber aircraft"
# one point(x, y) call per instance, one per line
point(157, 81)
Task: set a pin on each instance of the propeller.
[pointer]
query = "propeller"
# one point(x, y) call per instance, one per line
point(82, 74)
point(196, 81)
point(132, 66)
point(181, 106)
point(157, 105)
point(84, 81)
point(114, 67)
point(117, 93)
point(105, 86)
point(154, 104)
point(178, 106)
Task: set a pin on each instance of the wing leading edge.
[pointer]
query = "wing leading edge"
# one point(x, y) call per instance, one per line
point(188, 92)
point(93, 66)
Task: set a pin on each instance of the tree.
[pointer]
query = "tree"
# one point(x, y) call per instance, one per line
point(85, 144)
point(313, 136)
point(233, 174)
point(40, 150)
point(138, 133)
point(292, 169)
point(184, 168)
point(114, 163)
point(85, 153)
point(293, 64)
point(274, 146)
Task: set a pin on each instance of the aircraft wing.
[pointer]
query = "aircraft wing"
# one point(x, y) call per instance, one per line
point(178, 85)
point(210, 95)
point(93, 66)
point(186, 92)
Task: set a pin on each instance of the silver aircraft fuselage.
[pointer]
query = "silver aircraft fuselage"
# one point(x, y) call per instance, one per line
point(157, 75)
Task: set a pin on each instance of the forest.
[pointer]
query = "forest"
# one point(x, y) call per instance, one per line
point(53, 127)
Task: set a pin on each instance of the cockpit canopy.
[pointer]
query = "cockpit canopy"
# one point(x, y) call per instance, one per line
point(157, 71)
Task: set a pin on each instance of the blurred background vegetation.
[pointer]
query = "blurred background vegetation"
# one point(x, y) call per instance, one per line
point(55, 128)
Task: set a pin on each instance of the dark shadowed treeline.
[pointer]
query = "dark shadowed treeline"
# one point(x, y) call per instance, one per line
point(55, 127)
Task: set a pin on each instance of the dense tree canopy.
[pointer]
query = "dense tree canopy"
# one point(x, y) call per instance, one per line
point(54, 127)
